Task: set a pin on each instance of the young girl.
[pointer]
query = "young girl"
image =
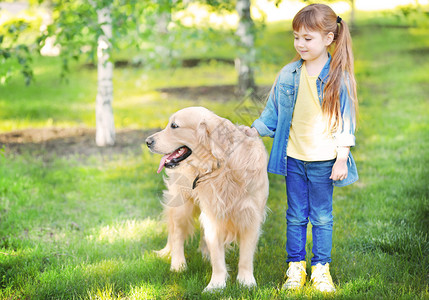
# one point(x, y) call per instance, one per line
point(311, 114)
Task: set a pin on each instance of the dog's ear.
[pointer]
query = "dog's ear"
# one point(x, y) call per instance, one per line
point(203, 134)
point(218, 135)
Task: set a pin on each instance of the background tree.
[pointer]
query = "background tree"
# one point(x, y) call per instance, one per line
point(105, 126)
point(17, 40)
point(246, 35)
point(95, 29)
point(246, 57)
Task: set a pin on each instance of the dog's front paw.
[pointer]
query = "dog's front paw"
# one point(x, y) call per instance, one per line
point(165, 252)
point(214, 286)
point(217, 282)
point(178, 265)
point(247, 280)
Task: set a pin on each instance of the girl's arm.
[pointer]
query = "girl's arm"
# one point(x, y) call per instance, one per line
point(344, 137)
point(266, 124)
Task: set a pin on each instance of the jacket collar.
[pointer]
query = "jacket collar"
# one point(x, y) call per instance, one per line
point(324, 74)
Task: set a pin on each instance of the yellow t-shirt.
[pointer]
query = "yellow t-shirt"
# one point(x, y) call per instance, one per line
point(309, 139)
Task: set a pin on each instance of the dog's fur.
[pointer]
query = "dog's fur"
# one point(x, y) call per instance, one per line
point(224, 179)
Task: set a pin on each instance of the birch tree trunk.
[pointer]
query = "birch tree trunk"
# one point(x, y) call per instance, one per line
point(105, 127)
point(244, 63)
point(352, 14)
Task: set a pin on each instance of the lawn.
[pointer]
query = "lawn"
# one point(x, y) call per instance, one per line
point(85, 225)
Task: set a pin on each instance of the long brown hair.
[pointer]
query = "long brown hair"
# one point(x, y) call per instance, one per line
point(321, 18)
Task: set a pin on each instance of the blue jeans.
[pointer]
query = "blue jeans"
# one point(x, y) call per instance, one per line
point(309, 197)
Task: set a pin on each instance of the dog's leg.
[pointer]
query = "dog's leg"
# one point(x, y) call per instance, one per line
point(203, 245)
point(215, 243)
point(248, 243)
point(180, 226)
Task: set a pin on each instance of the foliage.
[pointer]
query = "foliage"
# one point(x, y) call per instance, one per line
point(76, 29)
point(17, 40)
point(416, 15)
point(220, 5)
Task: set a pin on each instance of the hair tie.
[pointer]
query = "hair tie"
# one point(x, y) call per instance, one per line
point(339, 19)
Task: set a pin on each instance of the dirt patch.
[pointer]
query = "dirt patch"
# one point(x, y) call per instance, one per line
point(59, 142)
point(195, 62)
point(184, 63)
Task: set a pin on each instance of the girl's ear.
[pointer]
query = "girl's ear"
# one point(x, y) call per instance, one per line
point(329, 38)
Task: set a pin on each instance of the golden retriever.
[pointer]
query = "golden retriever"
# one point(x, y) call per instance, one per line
point(214, 170)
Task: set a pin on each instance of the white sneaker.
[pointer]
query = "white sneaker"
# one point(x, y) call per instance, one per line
point(296, 276)
point(321, 278)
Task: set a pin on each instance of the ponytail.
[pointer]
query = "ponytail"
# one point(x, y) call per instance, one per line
point(341, 71)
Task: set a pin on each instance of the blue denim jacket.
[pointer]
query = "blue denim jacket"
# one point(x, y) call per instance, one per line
point(276, 119)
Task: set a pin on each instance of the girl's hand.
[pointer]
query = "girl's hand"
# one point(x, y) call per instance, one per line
point(249, 131)
point(340, 170)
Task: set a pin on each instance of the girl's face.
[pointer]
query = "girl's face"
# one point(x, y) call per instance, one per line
point(312, 45)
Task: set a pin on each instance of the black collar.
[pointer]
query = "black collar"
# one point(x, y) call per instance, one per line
point(194, 184)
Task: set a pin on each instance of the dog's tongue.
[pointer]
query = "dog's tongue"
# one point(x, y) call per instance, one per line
point(162, 162)
point(168, 157)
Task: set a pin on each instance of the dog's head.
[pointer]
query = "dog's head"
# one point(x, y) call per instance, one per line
point(192, 133)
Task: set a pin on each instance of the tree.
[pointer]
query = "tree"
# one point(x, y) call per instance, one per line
point(246, 34)
point(246, 58)
point(352, 14)
point(94, 28)
point(85, 28)
point(105, 126)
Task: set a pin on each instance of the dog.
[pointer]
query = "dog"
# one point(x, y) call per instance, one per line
point(215, 170)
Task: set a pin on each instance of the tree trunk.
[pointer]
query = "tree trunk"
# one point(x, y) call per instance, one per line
point(352, 14)
point(164, 16)
point(244, 63)
point(105, 127)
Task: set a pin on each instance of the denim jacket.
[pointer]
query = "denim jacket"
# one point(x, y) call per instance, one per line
point(276, 119)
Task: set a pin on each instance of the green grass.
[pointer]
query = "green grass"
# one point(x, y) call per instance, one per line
point(86, 228)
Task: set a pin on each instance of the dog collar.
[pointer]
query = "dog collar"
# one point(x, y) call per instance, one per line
point(194, 184)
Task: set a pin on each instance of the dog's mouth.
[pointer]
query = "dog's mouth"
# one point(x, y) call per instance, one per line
point(173, 159)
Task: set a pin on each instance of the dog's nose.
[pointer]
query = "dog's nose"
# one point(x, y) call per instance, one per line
point(149, 142)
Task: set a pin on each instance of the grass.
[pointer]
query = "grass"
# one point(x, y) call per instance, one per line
point(86, 228)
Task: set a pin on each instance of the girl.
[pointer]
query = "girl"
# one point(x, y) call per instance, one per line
point(311, 114)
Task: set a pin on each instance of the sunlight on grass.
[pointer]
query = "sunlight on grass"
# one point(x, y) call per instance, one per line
point(130, 230)
point(106, 293)
point(143, 291)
